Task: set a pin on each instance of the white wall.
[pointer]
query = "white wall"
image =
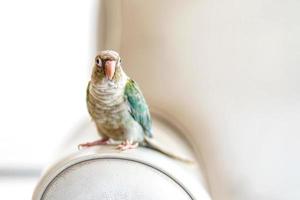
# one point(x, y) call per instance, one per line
point(228, 71)
point(46, 48)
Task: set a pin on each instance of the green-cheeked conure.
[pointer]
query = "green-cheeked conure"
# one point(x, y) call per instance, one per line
point(118, 107)
point(116, 104)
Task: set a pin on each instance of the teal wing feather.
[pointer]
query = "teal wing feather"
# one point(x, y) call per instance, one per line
point(138, 107)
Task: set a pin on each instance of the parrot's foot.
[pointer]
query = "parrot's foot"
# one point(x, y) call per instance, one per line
point(127, 145)
point(102, 141)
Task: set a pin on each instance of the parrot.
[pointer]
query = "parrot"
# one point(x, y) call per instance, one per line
point(117, 106)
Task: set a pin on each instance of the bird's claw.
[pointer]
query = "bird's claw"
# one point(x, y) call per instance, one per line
point(81, 146)
point(127, 145)
point(102, 141)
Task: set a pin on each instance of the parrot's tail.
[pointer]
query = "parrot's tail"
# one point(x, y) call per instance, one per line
point(152, 144)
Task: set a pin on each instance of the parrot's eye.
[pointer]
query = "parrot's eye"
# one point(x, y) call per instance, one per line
point(98, 62)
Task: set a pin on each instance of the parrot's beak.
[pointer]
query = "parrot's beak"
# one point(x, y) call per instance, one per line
point(109, 69)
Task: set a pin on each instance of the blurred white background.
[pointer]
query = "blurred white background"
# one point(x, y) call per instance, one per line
point(228, 71)
point(46, 48)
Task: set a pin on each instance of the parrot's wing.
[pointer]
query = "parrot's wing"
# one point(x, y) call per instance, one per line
point(138, 106)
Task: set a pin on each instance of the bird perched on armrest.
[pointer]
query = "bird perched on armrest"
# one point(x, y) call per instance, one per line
point(118, 107)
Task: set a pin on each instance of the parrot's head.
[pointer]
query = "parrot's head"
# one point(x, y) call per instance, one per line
point(107, 66)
